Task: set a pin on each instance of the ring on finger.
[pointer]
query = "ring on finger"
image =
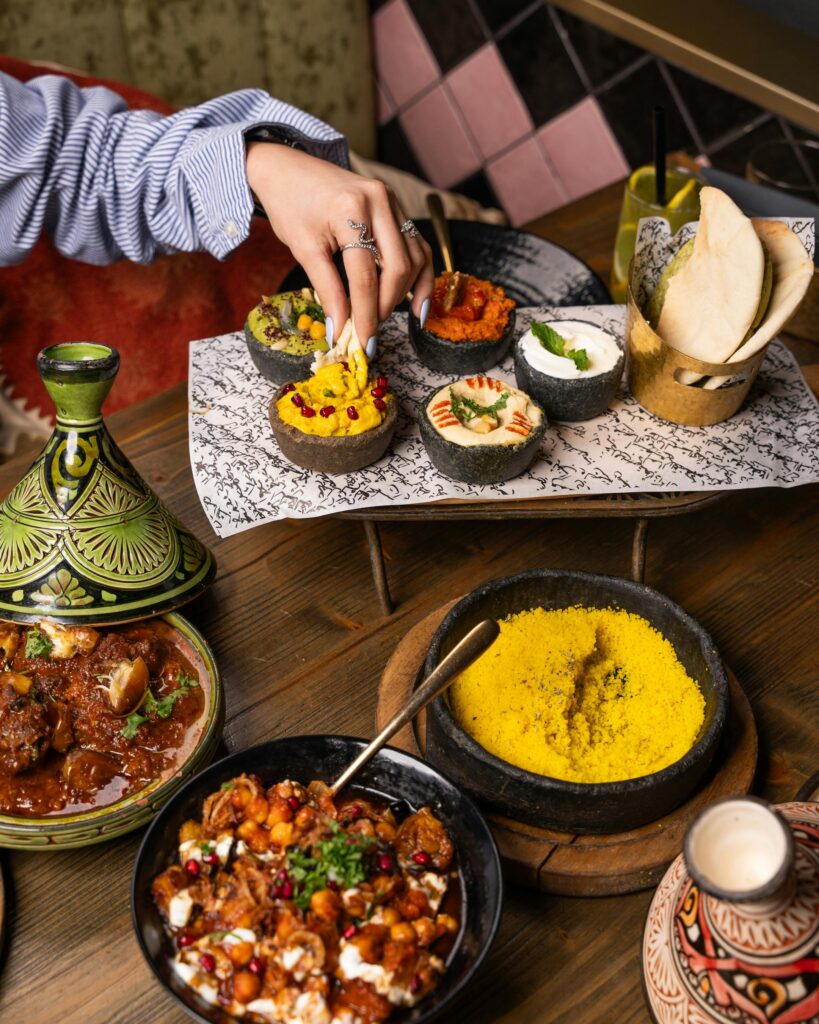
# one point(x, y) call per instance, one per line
point(409, 228)
point(364, 241)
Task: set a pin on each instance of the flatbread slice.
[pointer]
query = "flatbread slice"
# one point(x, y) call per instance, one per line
point(792, 274)
point(712, 300)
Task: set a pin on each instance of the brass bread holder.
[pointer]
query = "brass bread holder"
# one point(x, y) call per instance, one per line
point(654, 366)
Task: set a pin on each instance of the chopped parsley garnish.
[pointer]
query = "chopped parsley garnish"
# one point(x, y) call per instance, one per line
point(162, 708)
point(556, 344)
point(328, 393)
point(226, 785)
point(341, 857)
point(465, 408)
point(37, 644)
point(315, 311)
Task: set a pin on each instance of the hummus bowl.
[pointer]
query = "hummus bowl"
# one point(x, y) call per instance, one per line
point(583, 807)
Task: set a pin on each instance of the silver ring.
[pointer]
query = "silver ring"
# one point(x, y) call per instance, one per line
point(409, 228)
point(365, 240)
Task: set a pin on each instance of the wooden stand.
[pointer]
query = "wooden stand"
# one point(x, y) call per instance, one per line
point(580, 865)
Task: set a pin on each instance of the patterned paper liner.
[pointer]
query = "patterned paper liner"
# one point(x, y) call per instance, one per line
point(244, 481)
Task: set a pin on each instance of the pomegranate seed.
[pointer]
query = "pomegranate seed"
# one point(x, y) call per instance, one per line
point(288, 388)
point(328, 410)
point(352, 412)
point(332, 884)
point(192, 867)
point(422, 857)
point(297, 400)
point(415, 984)
point(379, 392)
point(287, 891)
point(255, 966)
point(283, 876)
point(293, 803)
point(381, 382)
point(277, 892)
point(380, 404)
point(307, 411)
point(207, 963)
point(349, 932)
point(385, 862)
point(356, 810)
point(185, 940)
point(211, 858)
point(253, 776)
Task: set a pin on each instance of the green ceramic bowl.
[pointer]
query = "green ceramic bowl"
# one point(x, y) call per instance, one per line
point(63, 831)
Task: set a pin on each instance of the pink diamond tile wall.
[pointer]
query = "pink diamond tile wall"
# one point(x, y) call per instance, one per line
point(524, 106)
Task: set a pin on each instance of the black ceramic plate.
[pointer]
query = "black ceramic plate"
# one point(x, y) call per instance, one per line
point(391, 774)
point(534, 272)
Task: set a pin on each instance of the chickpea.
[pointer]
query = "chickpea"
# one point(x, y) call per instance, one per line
point(355, 905)
point(240, 797)
point(282, 834)
point(256, 837)
point(257, 809)
point(384, 830)
point(326, 904)
point(390, 916)
point(402, 932)
point(190, 830)
point(279, 811)
point(305, 818)
point(244, 920)
point(246, 986)
point(425, 930)
point(240, 953)
point(447, 922)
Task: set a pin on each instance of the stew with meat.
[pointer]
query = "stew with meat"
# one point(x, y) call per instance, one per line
point(88, 716)
point(288, 907)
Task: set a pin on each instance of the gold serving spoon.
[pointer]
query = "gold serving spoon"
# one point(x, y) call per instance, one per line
point(472, 646)
point(440, 225)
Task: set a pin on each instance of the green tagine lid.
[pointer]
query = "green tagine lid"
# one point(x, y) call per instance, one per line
point(83, 539)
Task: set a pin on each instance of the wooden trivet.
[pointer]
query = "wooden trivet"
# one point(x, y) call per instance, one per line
point(564, 863)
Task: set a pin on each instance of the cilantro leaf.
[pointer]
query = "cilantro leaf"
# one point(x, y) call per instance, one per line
point(556, 344)
point(162, 708)
point(38, 644)
point(340, 857)
point(315, 311)
point(132, 723)
point(465, 408)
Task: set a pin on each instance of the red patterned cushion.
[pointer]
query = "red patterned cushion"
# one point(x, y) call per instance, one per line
point(148, 312)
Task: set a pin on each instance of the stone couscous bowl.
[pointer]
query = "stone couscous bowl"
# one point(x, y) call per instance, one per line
point(582, 807)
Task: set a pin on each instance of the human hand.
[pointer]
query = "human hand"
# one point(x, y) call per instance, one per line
point(309, 202)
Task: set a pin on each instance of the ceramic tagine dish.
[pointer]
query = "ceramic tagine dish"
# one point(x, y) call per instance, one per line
point(481, 430)
point(284, 332)
point(733, 930)
point(340, 419)
point(469, 328)
point(571, 367)
point(108, 699)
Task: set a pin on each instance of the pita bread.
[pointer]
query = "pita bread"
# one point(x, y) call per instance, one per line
point(792, 275)
point(712, 300)
point(346, 343)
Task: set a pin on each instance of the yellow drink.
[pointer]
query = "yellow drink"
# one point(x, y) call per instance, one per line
point(683, 205)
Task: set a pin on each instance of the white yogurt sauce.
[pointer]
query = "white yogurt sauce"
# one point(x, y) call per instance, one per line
point(601, 348)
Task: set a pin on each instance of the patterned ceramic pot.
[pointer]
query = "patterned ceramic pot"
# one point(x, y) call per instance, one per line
point(83, 539)
point(733, 929)
point(59, 832)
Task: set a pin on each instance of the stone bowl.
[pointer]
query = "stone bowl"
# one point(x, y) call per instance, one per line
point(63, 831)
point(603, 807)
point(275, 365)
point(569, 400)
point(392, 775)
point(458, 358)
point(480, 464)
point(334, 455)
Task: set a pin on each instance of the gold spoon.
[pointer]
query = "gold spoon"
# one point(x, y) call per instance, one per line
point(472, 646)
point(440, 226)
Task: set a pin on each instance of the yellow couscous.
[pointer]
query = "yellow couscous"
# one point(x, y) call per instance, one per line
point(583, 694)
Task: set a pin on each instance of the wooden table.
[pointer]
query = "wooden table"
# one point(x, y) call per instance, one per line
point(295, 626)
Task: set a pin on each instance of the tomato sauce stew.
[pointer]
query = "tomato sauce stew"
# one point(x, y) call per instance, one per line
point(88, 717)
point(288, 906)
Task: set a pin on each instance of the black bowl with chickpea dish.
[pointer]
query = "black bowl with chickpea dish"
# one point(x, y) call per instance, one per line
point(257, 895)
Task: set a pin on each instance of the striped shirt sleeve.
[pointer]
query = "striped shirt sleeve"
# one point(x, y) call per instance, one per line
point(107, 182)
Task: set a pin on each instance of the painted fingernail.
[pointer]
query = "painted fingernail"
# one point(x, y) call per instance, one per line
point(329, 331)
point(371, 346)
point(422, 319)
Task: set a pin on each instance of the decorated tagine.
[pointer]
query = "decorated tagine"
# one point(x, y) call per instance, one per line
point(83, 539)
point(732, 935)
